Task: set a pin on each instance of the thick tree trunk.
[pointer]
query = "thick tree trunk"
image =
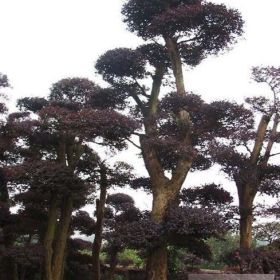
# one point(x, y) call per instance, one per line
point(49, 237)
point(246, 216)
point(100, 206)
point(246, 221)
point(157, 264)
point(157, 268)
point(61, 238)
point(248, 190)
point(64, 264)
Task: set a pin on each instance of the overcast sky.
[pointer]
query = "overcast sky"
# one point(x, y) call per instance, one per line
point(43, 41)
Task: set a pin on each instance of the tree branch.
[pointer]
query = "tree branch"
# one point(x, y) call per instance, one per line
point(271, 139)
point(134, 144)
point(261, 132)
point(143, 91)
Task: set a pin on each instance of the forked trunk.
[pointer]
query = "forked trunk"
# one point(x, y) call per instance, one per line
point(164, 196)
point(61, 239)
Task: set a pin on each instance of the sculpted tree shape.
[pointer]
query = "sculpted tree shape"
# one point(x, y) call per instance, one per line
point(118, 175)
point(178, 33)
point(246, 151)
point(56, 147)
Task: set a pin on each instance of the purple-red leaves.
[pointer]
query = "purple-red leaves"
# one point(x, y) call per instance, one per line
point(121, 63)
point(113, 127)
point(44, 178)
point(83, 223)
point(201, 28)
point(201, 223)
point(182, 18)
point(139, 14)
point(33, 104)
point(155, 54)
point(206, 195)
point(73, 90)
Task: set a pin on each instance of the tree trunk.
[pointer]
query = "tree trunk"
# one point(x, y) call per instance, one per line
point(246, 221)
point(9, 269)
point(165, 192)
point(157, 267)
point(246, 200)
point(176, 63)
point(259, 141)
point(247, 190)
point(157, 264)
point(100, 206)
point(49, 237)
point(61, 238)
point(64, 264)
point(113, 264)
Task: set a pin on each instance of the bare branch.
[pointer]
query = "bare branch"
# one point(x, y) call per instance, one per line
point(134, 144)
point(143, 91)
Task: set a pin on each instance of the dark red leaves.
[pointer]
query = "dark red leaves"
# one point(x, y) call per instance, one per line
point(206, 195)
point(201, 28)
point(73, 90)
point(121, 63)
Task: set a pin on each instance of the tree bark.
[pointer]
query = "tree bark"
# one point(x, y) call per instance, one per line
point(157, 267)
point(246, 200)
point(100, 206)
point(176, 63)
point(61, 238)
point(260, 137)
point(49, 237)
point(157, 264)
point(249, 188)
point(113, 264)
point(272, 139)
point(165, 191)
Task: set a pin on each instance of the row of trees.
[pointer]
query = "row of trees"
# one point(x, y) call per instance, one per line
point(51, 165)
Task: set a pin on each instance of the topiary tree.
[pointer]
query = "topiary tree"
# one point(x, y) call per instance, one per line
point(178, 33)
point(118, 175)
point(120, 214)
point(246, 151)
point(58, 162)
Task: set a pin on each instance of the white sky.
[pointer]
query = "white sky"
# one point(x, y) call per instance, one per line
point(43, 41)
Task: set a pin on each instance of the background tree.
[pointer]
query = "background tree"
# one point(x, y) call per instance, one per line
point(246, 151)
point(7, 221)
point(120, 213)
point(119, 175)
point(55, 147)
point(268, 232)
